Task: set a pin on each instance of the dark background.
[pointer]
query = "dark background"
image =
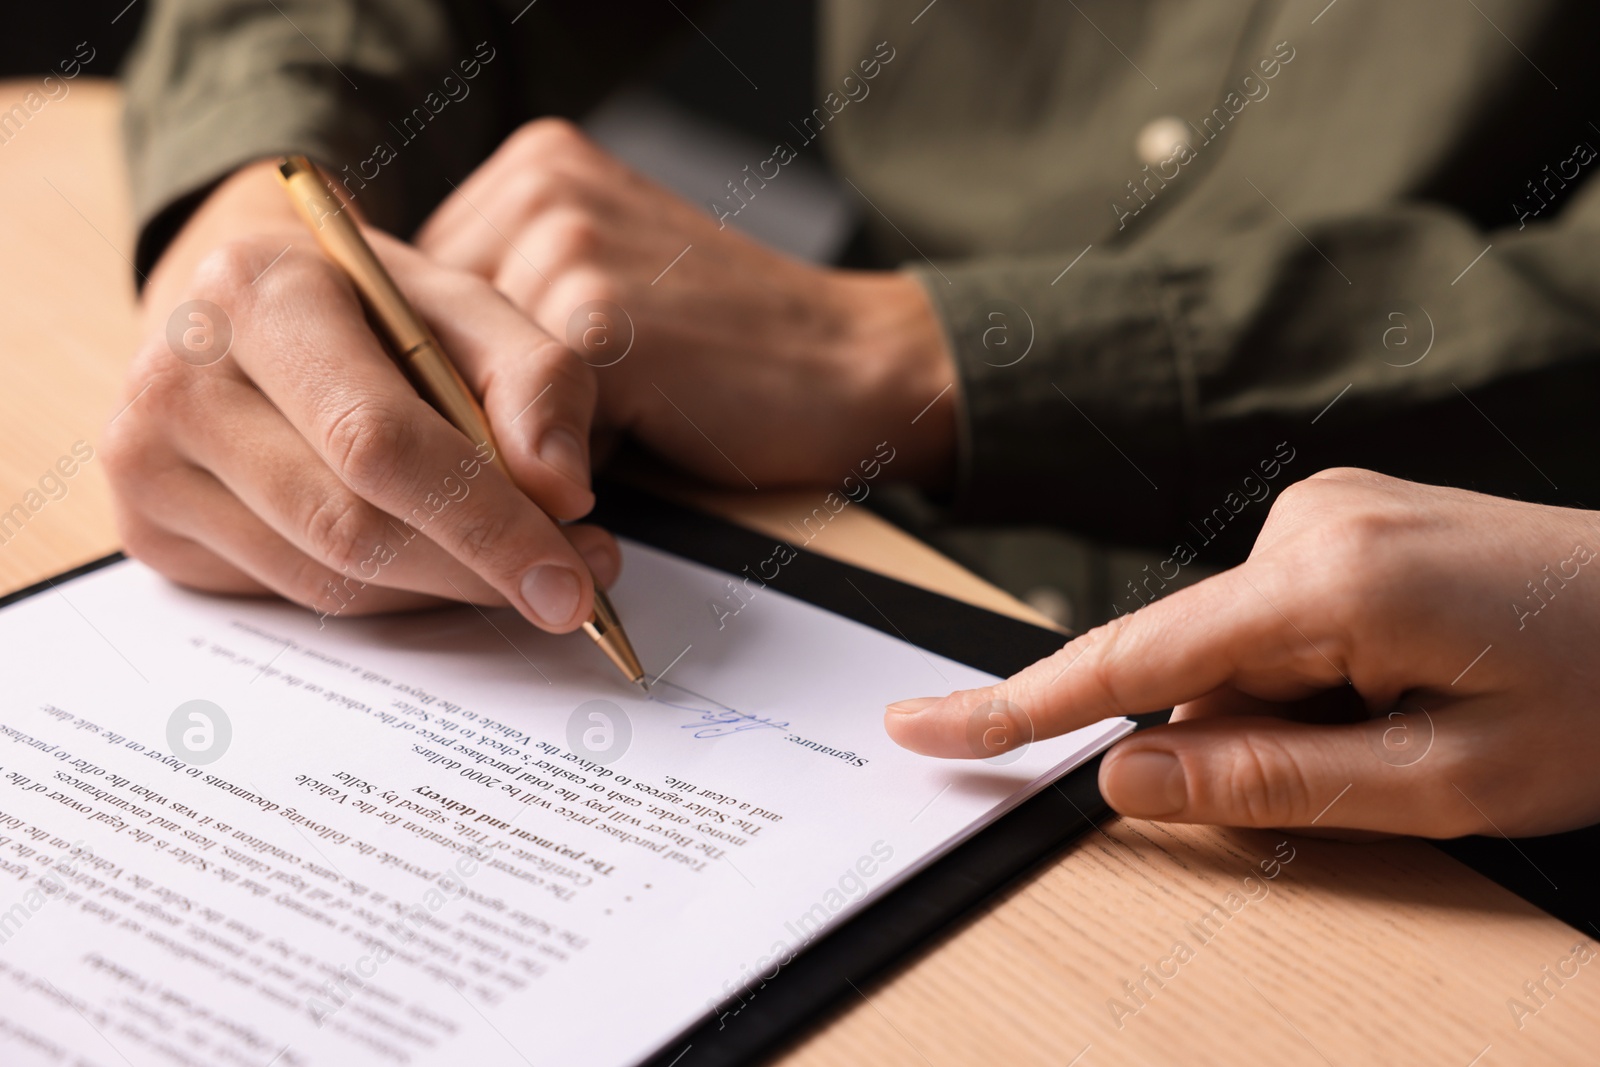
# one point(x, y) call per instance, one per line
point(34, 39)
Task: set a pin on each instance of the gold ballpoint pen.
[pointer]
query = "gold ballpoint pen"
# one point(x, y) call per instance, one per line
point(423, 359)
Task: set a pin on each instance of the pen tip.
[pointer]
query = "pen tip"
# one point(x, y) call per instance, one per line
point(642, 684)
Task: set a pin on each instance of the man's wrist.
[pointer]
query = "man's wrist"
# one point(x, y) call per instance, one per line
point(903, 371)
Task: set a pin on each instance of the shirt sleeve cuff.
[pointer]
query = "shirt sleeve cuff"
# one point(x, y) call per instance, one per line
point(1072, 406)
point(177, 163)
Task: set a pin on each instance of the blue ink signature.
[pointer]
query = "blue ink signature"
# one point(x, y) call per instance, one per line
point(718, 721)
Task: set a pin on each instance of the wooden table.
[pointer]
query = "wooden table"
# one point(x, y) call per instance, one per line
point(1353, 954)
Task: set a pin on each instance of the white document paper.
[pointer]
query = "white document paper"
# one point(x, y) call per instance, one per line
point(445, 838)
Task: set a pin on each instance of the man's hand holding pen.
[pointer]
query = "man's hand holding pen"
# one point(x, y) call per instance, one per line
point(279, 468)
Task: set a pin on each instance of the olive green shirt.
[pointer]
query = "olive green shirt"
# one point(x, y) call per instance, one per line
point(1185, 252)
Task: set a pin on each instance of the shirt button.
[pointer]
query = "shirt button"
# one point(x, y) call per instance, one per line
point(1160, 138)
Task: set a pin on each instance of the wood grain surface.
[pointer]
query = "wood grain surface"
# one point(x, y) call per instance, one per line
point(1143, 944)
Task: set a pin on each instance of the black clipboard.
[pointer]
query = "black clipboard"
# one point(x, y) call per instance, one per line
point(826, 971)
point(758, 1023)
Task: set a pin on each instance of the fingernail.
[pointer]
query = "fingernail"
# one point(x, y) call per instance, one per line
point(1146, 785)
point(561, 450)
point(552, 593)
point(914, 705)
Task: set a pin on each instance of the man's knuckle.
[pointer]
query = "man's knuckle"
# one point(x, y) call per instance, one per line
point(1357, 533)
point(1324, 595)
point(306, 582)
point(140, 538)
point(531, 188)
point(231, 267)
point(1297, 496)
point(244, 274)
point(124, 449)
point(1336, 474)
point(367, 443)
point(566, 372)
point(543, 136)
point(524, 289)
point(151, 357)
point(1353, 476)
point(342, 530)
point(456, 288)
point(289, 276)
point(239, 266)
point(1353, 568)
point(481, 540)
point(586, 284)
point(165, 398)
point(570, 236)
